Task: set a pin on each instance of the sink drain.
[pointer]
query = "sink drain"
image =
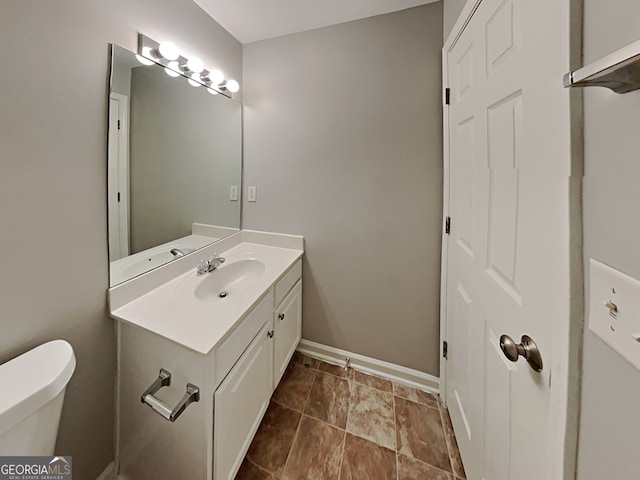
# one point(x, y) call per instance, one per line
point(223, 294)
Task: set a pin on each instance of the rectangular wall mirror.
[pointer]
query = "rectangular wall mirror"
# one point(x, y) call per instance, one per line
point(175, 166)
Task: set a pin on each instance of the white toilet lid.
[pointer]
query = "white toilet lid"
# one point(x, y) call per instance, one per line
point(32, 379)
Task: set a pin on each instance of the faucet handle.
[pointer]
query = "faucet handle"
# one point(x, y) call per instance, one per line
point(215, 262)
point(202, 267)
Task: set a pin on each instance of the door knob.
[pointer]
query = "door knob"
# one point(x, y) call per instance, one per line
point(527, 349)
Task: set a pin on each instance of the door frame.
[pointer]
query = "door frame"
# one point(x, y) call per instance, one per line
point(119, 161)
point(565, 400)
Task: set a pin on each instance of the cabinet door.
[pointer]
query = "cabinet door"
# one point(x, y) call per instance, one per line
point(288, 331)
point(240, 403)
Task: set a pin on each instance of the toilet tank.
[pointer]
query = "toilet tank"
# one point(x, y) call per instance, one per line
point(32, 390)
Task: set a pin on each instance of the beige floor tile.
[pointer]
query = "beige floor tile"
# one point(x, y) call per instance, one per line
point(371, 415)
point(249, 471)
point(295, 386)
point(364, 460)
point(334, 370)
point(316, 452)
point(454, 452)
point(416, 395)
point(272, 443)
point(329, 400)
point(305, 360)
point(371, 381)
point(420, 434)
point(411, 469)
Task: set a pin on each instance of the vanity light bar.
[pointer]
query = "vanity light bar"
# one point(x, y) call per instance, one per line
point(168, 55)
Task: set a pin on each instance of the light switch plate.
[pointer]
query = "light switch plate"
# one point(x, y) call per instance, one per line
point(233, 193)
point(251, 194)
point(614, 310)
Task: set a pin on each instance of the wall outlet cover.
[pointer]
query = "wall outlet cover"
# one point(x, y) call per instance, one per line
point(233, 193)
point(614, 310)
point(251, 194)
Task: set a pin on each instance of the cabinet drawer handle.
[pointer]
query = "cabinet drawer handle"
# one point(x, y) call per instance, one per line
point(270, 334)
point(164, 380)
point(281, 316)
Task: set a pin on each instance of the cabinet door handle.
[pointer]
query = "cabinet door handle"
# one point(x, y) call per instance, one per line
point(281, 316)
point(270, 334)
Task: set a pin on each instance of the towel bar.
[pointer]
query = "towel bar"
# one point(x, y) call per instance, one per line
point(164, 380)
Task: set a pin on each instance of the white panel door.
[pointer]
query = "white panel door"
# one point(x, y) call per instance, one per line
point(507, 266)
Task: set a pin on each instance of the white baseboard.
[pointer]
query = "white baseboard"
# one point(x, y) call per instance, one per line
point(380, 368)
point(109, 473)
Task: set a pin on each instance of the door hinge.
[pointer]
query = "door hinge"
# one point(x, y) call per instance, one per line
point(447, 225)
point(118, 124)
point(445, 349)
point(118, 196)
point(447, 96)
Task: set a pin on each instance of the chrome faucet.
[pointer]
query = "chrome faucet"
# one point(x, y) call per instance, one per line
point(176, 252)
point(206, 266)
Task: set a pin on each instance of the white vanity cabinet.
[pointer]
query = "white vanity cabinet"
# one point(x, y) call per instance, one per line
point(235, 375)
point(240, 403)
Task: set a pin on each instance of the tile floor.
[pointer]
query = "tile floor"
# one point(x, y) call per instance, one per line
point(327, 423)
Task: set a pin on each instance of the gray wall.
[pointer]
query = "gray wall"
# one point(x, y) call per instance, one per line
point(186, 152)
point(343, 139)
point(610, 424)
point(53, 208)
point(452, 9)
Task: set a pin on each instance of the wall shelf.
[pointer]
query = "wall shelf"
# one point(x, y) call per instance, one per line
point(618, 71)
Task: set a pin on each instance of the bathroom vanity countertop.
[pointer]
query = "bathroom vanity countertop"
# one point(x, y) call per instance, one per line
point(173, 311)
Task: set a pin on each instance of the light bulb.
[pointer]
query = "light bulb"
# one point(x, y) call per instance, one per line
point(193, 81)
point(232, 86)
point(216, 77)
point(171, 69)
point(148, 53)
point(195, 65)
point(144, 61)
point(212, 91)
point(169, 51)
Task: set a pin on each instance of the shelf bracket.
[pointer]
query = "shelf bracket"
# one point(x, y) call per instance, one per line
point(619, 71)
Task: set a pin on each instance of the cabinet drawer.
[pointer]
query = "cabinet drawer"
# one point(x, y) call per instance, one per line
point(287, 281)
point(231, 349)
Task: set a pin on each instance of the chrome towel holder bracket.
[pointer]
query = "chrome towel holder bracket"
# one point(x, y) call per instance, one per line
point(619, 71)
point(164, 380)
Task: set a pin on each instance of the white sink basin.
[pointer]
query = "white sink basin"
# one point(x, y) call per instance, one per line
point(224, 282)
point(187, 310)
